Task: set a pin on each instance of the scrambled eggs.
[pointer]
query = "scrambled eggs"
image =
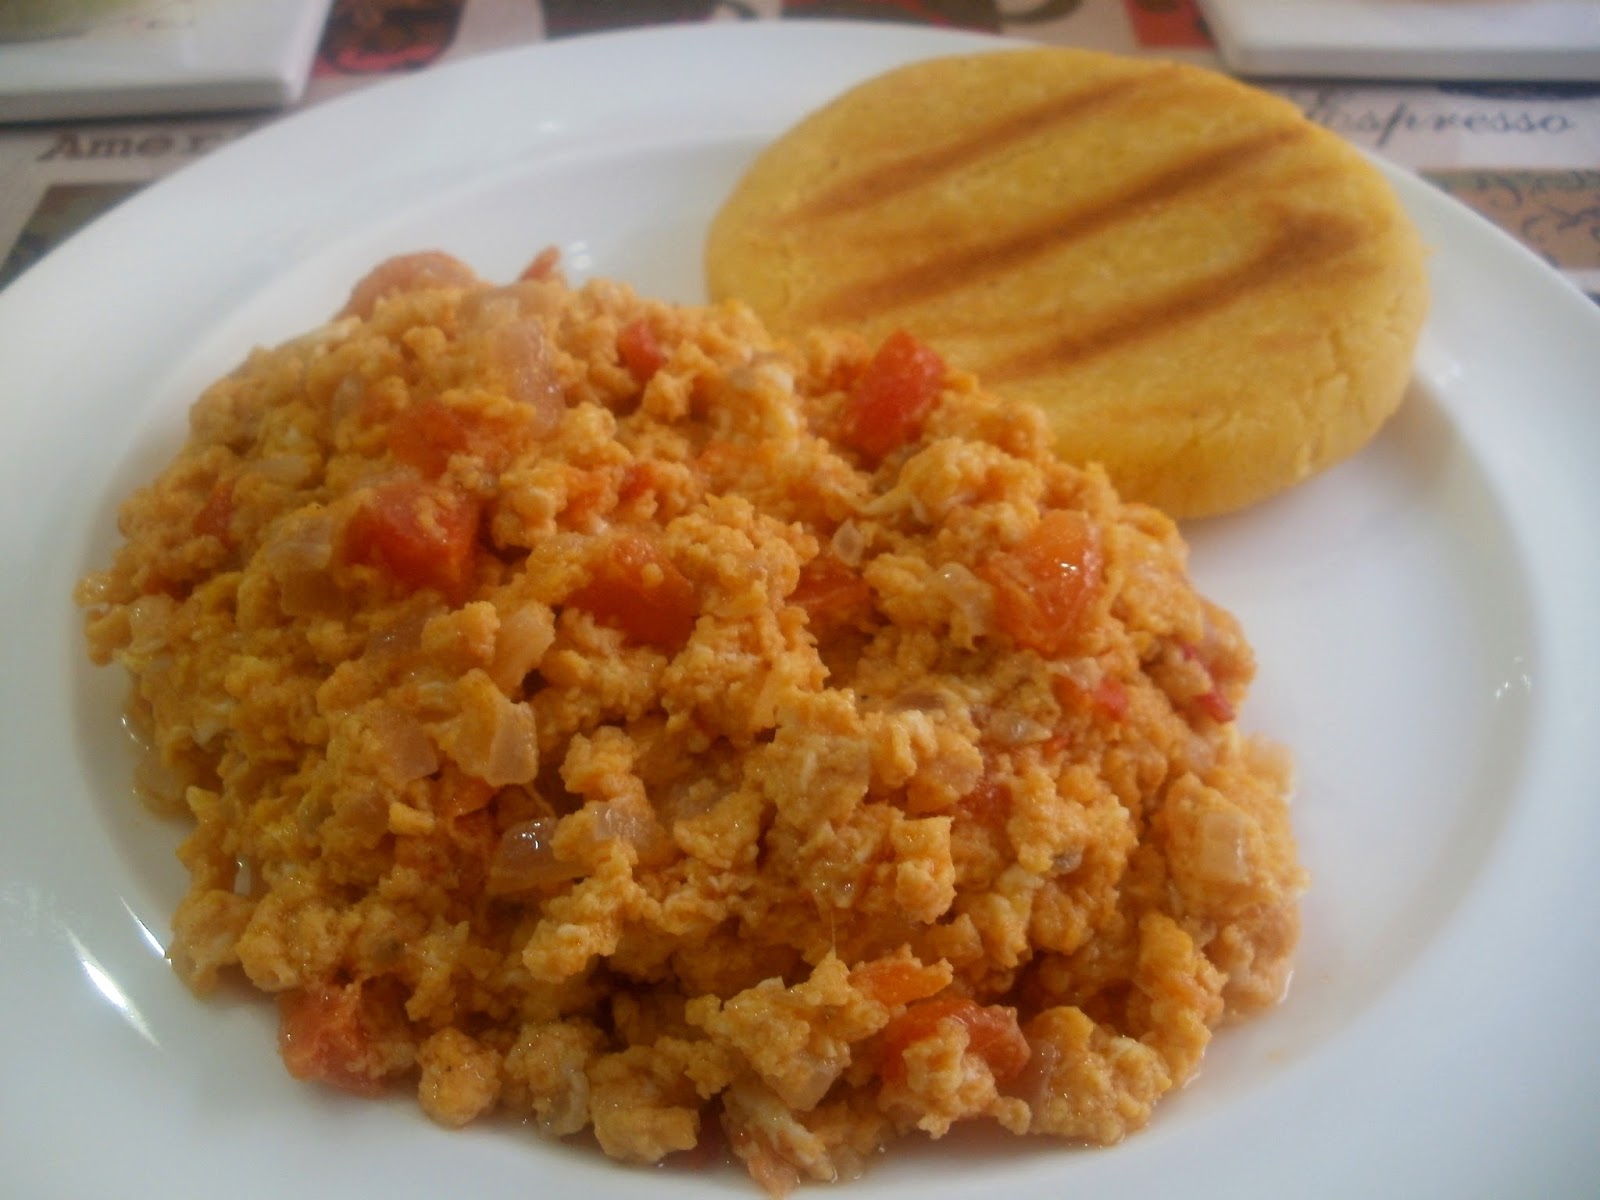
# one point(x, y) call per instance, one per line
point(593, 709)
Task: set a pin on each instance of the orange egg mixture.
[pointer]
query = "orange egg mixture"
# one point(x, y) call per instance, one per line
point(595, 710)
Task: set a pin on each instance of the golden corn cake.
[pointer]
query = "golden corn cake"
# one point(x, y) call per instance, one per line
point(1203, 290)
point(601, 712)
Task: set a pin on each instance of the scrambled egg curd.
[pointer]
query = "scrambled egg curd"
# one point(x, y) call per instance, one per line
point(594, 710)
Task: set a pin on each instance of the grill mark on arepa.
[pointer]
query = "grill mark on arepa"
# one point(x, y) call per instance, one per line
point(1301, 244)
point(902, 175)
point(965, 265)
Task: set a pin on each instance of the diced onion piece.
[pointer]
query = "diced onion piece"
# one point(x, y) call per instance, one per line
point(1014, 729)
point(290, 470)
point(159, 785)
point(1035, 1083)
point(632, 821)
point(1067, 861)
point(613, 820)
point(525, 858)
point(807, 1081)
point(400, 640)
point(924, 699)
point(520, 643)
point(970, 600)
point(148, 617)
point(1224, 846)
point(520, 353)
point(406, 749)
point(848, 543)
point(299, 543)
point(494, 738)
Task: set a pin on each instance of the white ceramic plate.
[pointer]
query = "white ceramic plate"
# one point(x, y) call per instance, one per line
point(1424, 615)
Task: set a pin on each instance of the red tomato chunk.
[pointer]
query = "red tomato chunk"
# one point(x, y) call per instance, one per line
point(1046, 587)
point(543, 265)
point(406, 273)
point(322, 1037)
point(892, 981)
point(1213, 703)
point(1111, 694)
point(422, 535)
point(425, 435)
point(215, 517)
point(893, 396)
point(832, 593)
point(639, 350)
point(638, 590)
point(988, 804)
point(992, 1034)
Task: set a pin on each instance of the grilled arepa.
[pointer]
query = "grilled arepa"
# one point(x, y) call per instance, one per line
point(1205, 291)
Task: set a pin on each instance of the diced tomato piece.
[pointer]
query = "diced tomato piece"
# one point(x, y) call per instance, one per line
point(639, 350)
point(423, 535)
point(1054, 746)
point(1046, 587)
point(543, 265)
point(215, 518)
point(988, 804)
point(637, 589)
point(893, 396)
point(992, 1034)
point(832, 593)
point(156, 584)
point(406, 273)
point(635, 484)
point(1216, 706)
point(1108, 697)
point(475, 836)
point(426, 434)
point(1111, 695)
point(896, 981)
point(638, 481)
point(721, 459)
point(322, 1037)
point(1213, 703)
point(589, 494)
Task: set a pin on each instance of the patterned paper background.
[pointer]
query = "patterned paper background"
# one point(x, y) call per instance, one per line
point(1527, 157)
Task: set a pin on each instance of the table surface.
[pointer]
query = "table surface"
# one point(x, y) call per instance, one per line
point(1525, 155)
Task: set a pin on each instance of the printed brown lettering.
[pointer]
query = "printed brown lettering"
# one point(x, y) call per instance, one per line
point(1379, 125)
point(66, 145)
point(120, 146)
point(202, 140)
